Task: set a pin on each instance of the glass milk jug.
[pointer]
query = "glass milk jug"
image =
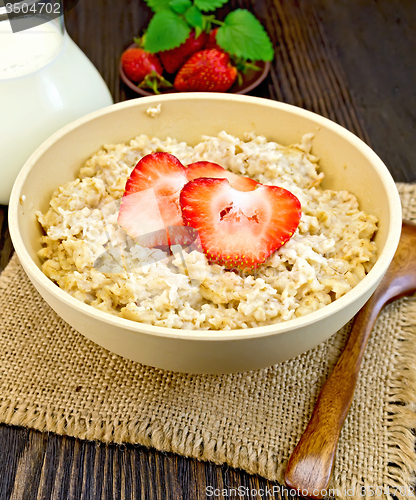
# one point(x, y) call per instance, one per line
point(46, 81)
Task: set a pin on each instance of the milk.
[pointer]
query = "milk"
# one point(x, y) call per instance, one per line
point(45, 82)
point(27, 51)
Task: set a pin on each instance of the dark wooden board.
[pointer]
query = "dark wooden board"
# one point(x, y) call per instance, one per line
point(375, 44)
point(349, 60)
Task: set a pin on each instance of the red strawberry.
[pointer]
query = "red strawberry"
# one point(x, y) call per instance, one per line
point(150, 203)
point(214, 171)
point(137, 63)
point(239, 229)
point(173, 59)
point(206, 71)
point(212, 40)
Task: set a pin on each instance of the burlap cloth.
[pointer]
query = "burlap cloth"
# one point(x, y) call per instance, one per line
point(53, 379)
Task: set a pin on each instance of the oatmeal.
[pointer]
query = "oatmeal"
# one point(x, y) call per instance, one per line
point(89, 256)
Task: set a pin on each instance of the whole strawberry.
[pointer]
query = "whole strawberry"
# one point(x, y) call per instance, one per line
point(173, 59)
point(138, 63)
point(206, 71)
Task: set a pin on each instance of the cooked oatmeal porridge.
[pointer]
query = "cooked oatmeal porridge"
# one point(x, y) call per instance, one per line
point(89, 256)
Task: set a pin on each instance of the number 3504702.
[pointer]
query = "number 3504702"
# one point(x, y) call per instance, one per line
point(34, 8)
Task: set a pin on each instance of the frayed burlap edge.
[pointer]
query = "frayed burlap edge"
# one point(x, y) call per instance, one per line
point(400, 420)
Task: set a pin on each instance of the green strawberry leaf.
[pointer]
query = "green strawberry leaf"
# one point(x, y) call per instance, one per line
point(157, 5)
point(207, 5)
point(166, 31)
point(243, 35)
point(194, 17)
point(180, 6)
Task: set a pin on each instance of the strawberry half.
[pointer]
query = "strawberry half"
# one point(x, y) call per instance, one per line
point(173, 59)
point(206, 71)
point(239, 229)
point(150, 203)
point(215, 171)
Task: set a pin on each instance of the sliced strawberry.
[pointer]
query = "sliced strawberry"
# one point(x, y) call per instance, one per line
point(140, 217)
point(151, 200)
point(165, 174)
point(239, 229)
point(215, 171)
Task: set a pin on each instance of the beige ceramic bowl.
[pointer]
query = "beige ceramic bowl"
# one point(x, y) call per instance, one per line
point(347, 162)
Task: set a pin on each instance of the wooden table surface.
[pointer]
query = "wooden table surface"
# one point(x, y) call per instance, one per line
point(350, 60)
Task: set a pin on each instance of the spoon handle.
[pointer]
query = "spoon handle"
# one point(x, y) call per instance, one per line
point(310, 466)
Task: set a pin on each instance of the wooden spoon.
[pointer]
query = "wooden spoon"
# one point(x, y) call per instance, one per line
point(310, 466)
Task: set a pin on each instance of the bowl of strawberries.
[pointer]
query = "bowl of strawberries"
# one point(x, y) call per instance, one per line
point(182, 50)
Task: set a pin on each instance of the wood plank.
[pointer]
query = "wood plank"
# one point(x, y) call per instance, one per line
point(375, 43)
point(30, 465)
point(6, 245)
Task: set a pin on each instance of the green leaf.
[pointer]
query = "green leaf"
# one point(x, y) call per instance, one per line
point(157, 5)
point(180, 6)
point(243, 35)
point(207, 5)
point(166, 31)
point(194, 17)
